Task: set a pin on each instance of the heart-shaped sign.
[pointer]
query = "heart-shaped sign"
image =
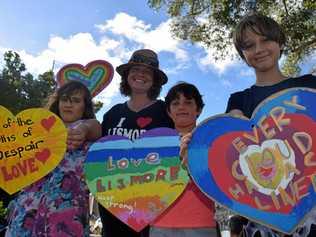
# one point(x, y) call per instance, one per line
point(32, 144)
point(136, 181)
point(96, 75)
point(263, 168)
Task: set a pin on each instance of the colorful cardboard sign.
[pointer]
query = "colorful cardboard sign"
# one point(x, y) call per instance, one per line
point(32, 143)
point(96, 75)
point(136, 181)
point(263, 168)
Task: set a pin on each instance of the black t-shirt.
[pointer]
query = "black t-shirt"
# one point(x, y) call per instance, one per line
point(122, 121)
point(248, 100)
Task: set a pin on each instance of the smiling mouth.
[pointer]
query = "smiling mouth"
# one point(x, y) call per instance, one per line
point(260, 59)
point(140, 81)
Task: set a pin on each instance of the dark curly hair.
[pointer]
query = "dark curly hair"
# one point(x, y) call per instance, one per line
point(260, 25)
point(188, 90)
point(68, 89)
point(152, 93)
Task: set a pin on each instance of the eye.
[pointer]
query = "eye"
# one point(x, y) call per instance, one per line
point(76, 100)
point(248, 45)
point(189, 102)
point(174, 103)
point(64, 98)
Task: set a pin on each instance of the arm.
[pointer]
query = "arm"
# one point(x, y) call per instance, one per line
point(87, 130)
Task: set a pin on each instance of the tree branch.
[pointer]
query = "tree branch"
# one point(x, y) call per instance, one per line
point(284, 3)
point(308, 43)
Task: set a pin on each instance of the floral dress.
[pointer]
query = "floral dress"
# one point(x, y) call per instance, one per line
point(54, 206)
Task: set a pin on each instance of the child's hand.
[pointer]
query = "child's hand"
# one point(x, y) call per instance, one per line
point(185, 139)
point(76, 136)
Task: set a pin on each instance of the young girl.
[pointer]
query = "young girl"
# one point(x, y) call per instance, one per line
point(192, 214)
point(57, 204)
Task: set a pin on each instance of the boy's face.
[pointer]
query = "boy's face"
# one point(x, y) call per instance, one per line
point(260, 53)
point(183, 111)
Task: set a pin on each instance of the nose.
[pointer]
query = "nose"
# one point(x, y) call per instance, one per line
point(259, 47)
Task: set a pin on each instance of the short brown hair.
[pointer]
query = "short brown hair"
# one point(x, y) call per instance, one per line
point(152, 93)
point(261, 25)
point(188, 90)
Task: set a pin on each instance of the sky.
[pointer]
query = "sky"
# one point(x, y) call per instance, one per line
point(80, 31)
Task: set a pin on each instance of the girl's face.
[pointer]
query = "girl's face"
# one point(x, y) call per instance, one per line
point(140, 79)
point(183, 112)
point(261, 53)
point(71, 108)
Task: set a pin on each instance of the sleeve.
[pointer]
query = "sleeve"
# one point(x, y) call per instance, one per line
point(235, 101)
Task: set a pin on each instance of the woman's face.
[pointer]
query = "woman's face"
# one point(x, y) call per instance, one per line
point(261, 53)
point(71, 107)
point(140, 79)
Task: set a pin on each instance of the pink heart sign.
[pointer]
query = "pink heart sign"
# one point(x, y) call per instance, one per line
point(263, 168)
point(96, 75)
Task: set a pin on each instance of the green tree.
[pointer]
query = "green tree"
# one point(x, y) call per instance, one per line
point(212, 22)
point(19, 89)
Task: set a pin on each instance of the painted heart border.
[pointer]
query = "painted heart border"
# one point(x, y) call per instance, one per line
point(136, 181)
point(209, 132)
point(78, 72)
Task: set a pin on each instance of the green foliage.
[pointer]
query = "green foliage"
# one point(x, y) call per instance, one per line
point(3, 210)
point(19, 89)
point(213, 21)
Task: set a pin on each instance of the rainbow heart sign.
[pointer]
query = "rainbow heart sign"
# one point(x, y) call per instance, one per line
point(263, 168)
point(32, 143)
point(136, 181)
point(96, 75)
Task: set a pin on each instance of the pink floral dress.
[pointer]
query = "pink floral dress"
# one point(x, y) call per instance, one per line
point(54, 206)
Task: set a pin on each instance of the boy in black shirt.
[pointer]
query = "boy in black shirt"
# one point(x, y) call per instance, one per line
point(259, 41)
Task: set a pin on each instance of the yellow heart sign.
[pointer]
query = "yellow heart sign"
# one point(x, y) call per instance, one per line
point(32, 144)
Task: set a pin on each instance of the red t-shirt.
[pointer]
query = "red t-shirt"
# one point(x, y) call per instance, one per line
point(191, 210)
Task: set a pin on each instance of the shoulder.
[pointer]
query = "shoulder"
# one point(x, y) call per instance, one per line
point(306, 77)
point(236, 100)
point(115, 109)
point(239, 95)
point(307, 80)
point(160, 103)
